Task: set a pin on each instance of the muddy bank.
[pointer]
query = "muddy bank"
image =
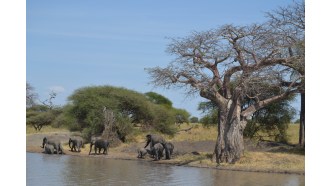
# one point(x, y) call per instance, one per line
point(186, 153)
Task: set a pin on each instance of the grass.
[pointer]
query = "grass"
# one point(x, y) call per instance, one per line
point(285, 160)
point(293, 134)
point(197, 133)
point(45, 129)
point(282, 161)
point(257, 161)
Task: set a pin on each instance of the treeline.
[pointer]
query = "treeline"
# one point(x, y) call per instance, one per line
point(84, 112)
point(149, 111)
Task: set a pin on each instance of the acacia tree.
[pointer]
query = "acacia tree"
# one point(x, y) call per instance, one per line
point(226, 64)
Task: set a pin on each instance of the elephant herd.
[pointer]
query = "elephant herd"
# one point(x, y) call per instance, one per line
point(54, 146)
point(157, 146)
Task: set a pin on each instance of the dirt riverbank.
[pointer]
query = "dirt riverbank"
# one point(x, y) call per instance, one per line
point(186, 153)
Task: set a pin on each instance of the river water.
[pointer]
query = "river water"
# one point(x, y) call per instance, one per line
point(43, 169)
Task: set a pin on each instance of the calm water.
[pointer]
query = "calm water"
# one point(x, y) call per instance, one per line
point(43, 169)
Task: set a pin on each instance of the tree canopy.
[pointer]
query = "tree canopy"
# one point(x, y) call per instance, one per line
point(129, 107)
point(231, 62)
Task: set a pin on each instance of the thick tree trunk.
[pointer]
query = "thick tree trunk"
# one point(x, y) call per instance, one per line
point(230, 144)
point(219, 146)
point(234, 143)
point(302, 121)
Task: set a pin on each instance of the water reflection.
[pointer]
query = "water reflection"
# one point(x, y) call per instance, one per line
point(72, 170)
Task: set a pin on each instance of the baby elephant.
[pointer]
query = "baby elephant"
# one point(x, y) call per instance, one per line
point(49, 149)
point(75, 143)
point(142, 152)
point(157, 151)
point(169, 147)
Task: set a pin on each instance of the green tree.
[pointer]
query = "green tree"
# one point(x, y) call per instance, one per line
point(158, 99)
point(194, 119)
point(40, 115)
point(272, 120)
point(181, 116)
point(129, 107)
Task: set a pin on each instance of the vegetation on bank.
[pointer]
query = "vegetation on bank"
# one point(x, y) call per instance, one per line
point(87, 107)
point(286, 158)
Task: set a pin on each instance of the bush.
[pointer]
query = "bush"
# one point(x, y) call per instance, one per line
point(164, 120)
point(194, 119)
point(272, 121)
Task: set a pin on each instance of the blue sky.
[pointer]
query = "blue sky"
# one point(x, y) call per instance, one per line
point(74, 44)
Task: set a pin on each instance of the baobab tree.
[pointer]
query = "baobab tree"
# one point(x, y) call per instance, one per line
point(226, 65)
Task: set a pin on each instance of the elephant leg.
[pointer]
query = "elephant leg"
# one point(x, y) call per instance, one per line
point(80, 146)
point(56, 148)
point(167, 154)
point(156, 155)
point(60, 148)
point(90, 148)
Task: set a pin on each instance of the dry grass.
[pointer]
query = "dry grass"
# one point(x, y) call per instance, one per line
point(251, 161)
point(293, 134)
point(196, 133)
point(45, 129)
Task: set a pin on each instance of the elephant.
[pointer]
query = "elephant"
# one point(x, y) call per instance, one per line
point(170, 147)
point(99, 144)
point(142, 152)
point(157, 151)
point(49, 149)
point(75, 143)
point(153, 139)
point(53, 142)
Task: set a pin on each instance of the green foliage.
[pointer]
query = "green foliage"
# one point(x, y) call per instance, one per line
point(211, 114)
point(211, 118)
point(181, 116)
point(272, 121)
point(123, 127)
point(87, 104)
point(40, 115)
point(158, 99)
point(194, 119)
point(164, 120)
